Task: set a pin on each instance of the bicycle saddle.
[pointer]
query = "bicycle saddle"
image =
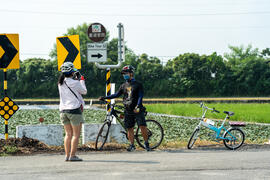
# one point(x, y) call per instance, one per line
point(229, 113)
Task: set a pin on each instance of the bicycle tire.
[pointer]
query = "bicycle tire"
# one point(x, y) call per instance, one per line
point(193, 138)
point(238, 133)
point(102, 136)
point(155, 134)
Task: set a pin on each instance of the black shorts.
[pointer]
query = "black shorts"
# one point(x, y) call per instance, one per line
point(131, 118)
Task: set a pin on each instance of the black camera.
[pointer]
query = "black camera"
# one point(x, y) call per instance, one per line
point(77, 75)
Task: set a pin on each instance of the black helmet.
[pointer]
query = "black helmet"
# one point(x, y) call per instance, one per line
point(127, 69)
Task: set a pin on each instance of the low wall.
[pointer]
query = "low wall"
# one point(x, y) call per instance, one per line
point(90, 131)
point(49, 134)
point(53, 134)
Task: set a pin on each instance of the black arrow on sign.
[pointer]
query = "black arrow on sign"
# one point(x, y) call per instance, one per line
point(72, 50)
point(10, 51)
point(96, 55)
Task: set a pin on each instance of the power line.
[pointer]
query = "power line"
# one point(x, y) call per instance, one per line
point(137, 15)
point(180, 27)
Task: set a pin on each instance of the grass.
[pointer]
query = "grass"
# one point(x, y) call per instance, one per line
point(8, 150)
point(252, 112)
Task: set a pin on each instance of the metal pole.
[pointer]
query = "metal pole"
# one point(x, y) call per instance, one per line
point(113, 100)
point(108, 88)
point(121, 49)
point(5, 94)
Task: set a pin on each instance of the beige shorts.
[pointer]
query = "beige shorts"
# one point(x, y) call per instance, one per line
point(73, 119)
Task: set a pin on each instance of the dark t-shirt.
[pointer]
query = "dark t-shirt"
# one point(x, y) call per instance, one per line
point(132, 91)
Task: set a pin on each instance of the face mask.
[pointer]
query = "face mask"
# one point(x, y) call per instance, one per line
point(126, 76)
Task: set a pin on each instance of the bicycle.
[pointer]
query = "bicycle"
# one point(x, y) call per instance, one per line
point(154, 129)
point(233, 137)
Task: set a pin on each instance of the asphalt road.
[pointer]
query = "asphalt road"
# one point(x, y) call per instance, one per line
point(167, 164)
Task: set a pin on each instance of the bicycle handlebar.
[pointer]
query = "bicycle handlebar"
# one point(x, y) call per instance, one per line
point(215, 110)
point(205, 107)
point(114, 105)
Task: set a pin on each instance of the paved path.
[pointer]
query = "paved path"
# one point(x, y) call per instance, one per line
point(173, 164)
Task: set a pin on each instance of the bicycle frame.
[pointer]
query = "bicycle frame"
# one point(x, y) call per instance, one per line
point(211, 127)
point(113, 113)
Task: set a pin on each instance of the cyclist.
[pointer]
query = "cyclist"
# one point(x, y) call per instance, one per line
point(134, 110)
point(71, 86)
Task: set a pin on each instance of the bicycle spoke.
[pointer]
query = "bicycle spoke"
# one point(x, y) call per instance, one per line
point(102, 136)
point(154, 132)
point(234, 138)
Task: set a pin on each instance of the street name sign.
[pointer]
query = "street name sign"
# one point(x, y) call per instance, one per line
point(97, 52)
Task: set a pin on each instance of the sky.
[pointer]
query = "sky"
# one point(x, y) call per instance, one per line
point(161, 28)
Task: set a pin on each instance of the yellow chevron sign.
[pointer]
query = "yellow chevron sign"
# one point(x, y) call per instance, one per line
point(9, 51)
point(68, 50)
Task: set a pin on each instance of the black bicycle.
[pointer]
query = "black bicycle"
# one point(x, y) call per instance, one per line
point(154, 129)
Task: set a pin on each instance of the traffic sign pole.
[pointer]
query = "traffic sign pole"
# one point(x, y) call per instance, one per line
point(108, 89)
point(121, 52)
point(5, 93)
point(96, 33)
point(9, 59)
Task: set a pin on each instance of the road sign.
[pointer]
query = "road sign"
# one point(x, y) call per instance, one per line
point(68, 50)
point(96, 32)
point(97, 52)
point(9, 51)
point(7, 108)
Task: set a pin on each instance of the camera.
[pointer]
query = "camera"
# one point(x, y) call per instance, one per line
point(77, 75)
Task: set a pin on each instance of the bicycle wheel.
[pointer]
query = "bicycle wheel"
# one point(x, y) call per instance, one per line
point(234, 138)
point(102, 135)
point(155, 134)
point(193, 138)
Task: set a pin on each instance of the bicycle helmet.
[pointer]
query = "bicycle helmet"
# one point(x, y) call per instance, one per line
point(67, 68)
point(127, 69)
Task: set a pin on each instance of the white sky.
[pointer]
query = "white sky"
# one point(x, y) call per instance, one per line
point(157, 27)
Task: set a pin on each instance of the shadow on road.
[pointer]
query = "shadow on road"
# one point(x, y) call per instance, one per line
point(220, 148)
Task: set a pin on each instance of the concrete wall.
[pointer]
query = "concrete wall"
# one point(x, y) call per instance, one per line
point(48, 134)
point(53, 134)
point(90, 131)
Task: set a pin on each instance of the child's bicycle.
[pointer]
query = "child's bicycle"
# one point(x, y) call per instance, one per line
point(154, 129)
point(233, 137)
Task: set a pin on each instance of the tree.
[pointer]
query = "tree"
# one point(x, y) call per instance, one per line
point(36, 78)
point(249, 71)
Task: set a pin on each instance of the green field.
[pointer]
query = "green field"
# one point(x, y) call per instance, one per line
point(251, 112)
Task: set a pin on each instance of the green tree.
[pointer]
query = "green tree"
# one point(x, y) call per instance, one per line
point(36, 78)
point(248, 70)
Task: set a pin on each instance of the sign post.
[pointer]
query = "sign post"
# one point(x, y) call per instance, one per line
point(97, 52)
point(9, 59)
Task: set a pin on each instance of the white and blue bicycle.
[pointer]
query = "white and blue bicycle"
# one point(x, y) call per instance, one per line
point(233, 137)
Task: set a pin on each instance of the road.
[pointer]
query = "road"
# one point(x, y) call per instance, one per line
point(156, 165)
